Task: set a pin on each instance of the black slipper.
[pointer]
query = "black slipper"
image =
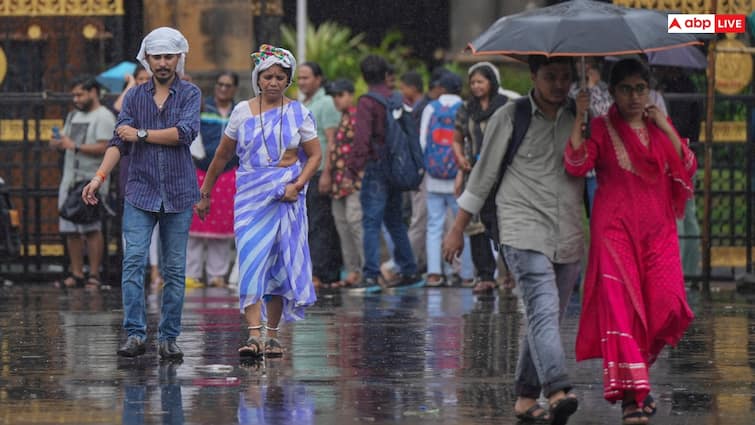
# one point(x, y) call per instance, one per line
point(637, 414)
point(562, 409)
point(647, 408)
point(529, 416)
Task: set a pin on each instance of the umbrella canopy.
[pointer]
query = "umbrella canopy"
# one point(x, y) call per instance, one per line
point(113, 78)
point(683, 57)
point(580, 28)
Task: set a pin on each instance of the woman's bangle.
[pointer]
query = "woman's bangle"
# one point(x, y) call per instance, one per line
point(204, 195)
point(101, 175)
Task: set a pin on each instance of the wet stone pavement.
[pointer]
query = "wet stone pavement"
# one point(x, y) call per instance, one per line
point(429, 356)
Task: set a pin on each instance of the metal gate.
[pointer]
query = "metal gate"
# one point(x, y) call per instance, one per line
point(43, 46)
point(32, 172)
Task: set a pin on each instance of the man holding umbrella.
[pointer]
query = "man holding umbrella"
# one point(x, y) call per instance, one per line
point(540, 229)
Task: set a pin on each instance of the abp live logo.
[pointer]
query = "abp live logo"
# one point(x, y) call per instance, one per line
point(705, 23)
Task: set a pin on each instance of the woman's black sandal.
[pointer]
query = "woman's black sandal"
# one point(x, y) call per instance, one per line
point(252, 349)
point(273, 347)
point(634, 418)
point(649, 406)
point(78, 282)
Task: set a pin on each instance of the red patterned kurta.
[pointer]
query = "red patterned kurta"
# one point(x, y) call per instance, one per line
point(634, 300)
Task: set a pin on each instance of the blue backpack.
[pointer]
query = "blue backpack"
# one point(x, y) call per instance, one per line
point(401, 155)
point(439, 154)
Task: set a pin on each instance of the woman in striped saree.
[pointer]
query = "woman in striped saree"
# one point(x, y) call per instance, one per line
point(276, 142)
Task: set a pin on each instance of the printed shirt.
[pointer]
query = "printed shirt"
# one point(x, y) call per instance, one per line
point(345, 180)
point(161, 177)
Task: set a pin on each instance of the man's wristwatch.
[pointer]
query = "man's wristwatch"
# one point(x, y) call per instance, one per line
point(141, 135)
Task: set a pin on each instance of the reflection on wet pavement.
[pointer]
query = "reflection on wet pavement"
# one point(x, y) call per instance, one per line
point(432, 356)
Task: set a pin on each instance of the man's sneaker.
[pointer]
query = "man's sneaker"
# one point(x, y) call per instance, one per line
point(133, 347)
point(408, 282)
point(368, 285)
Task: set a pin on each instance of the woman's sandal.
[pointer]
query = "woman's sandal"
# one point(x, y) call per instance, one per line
point(485, 287)
point(530, 417)
point(273, 347)
point(93, 282)
point(563, 408)
point(253, 346)
point(649, 406)
point(637, 417)
point(70, 281)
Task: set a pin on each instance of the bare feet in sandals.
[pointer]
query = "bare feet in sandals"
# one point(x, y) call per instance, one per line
point(528, 410)
point(484, 287)
point(252, 348)
point(71, 281)
point(273, 347)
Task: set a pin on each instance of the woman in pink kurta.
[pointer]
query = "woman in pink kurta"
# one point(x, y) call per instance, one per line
point(634, 299)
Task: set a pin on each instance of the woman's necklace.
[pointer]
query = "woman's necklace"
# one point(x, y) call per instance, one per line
point(278, 143)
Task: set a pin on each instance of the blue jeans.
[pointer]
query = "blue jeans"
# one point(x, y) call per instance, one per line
point(545, 289)
point(381, 204)
point(174, 235)
point(437, 206)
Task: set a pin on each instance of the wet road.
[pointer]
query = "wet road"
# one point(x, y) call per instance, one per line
point(432, 356)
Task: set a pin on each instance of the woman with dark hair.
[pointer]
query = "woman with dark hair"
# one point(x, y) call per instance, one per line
point(471, 120)
point(275, 139)
point(634, 298)
point(208, 252)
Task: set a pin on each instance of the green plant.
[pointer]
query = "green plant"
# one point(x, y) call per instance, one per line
point(331, 45)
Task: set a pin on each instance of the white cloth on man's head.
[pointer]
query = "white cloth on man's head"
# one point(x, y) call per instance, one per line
point(269, 56)
point(164, 41)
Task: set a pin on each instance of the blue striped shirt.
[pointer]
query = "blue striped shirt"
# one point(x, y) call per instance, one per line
point(161, 177)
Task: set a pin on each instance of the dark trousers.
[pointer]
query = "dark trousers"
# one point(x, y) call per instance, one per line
point(324, 245)
point(482, 256)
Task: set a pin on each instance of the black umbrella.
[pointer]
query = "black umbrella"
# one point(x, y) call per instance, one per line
point(580, 28)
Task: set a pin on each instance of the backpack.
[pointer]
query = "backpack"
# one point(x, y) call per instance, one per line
point(488, 213)
point(439, 155)
point(401, 156)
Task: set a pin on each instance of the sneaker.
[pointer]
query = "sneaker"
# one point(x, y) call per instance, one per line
point(368, 285)
point(409, 282)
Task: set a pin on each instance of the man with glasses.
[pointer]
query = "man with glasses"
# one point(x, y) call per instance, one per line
point(211, 239)
point(158, 122)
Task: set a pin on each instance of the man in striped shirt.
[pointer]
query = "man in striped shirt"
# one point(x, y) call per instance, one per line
point(158, 122)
